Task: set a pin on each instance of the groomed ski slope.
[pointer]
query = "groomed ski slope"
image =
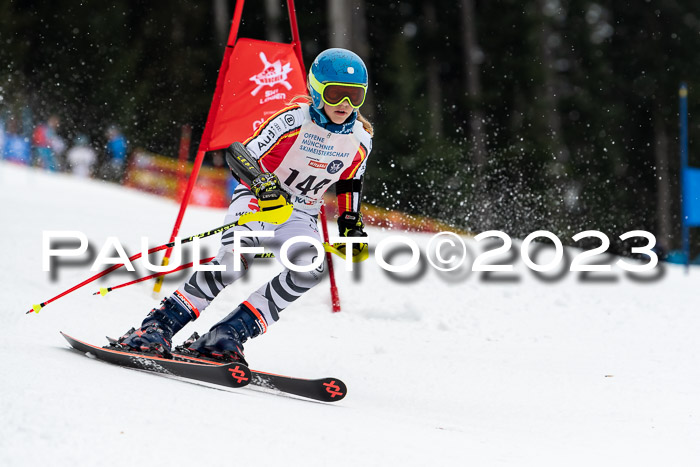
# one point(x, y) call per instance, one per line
point(443, 370)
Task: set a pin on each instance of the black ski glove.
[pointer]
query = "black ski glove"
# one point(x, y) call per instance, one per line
point(350, 225)
point(266, 187)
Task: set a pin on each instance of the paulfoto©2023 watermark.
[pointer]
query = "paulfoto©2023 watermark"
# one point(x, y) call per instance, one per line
point(445, 251)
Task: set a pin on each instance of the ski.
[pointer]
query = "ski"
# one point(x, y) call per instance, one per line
point(323, 389)
point(234, 375)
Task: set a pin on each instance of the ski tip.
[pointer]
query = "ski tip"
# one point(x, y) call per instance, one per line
point(334, 389)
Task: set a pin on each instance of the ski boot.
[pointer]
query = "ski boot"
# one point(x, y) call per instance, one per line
point(224, 341)
point(156, 332)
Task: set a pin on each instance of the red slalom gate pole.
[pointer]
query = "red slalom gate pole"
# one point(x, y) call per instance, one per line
point(183, 206)
point(185, 139)
point(204, 142)
point(335, 298)
point(295, 33)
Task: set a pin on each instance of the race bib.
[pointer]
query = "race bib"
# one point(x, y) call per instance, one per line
point(316, 161)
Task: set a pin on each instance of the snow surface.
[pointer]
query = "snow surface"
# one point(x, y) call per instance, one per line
point(442, 369)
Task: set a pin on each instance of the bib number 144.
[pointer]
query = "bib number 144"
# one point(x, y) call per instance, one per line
point(306, 186)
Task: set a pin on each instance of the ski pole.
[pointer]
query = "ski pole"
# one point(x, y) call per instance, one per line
point(36, 308)
point(329, 249)
point(277, 216)
point(105, 290)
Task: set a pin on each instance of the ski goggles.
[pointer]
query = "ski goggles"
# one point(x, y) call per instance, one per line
point(335, 93)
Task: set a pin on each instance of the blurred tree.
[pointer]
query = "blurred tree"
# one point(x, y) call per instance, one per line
point(340, 24)
point(222, 20)
point(432, 71)
point(347, 29)
point(273, 16)
point(472, 58)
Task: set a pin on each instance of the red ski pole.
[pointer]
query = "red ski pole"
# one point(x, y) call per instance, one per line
point(105, 290)
point(36, 308)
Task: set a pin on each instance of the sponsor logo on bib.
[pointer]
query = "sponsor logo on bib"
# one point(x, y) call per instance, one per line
point(318, 165)
point(335, 166)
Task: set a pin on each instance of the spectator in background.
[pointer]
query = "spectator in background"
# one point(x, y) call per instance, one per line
point(48, 146)
point(16, 148)
point(81, 157)
point(116, 151)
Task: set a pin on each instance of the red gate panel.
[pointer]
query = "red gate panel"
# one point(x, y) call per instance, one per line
point(261, 78)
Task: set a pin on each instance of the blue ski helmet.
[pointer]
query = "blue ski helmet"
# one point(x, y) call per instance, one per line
point(336, 66)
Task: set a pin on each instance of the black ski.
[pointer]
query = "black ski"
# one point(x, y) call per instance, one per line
point(233, 375)
point(324, 389)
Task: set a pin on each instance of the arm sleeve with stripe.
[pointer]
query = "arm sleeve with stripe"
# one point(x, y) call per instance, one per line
point(276, 128)
point(349, 190)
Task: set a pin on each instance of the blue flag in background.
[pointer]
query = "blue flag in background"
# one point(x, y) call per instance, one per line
point(691, 196)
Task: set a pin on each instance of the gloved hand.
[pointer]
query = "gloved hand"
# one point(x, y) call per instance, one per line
point(350, 225)
point(267, 188)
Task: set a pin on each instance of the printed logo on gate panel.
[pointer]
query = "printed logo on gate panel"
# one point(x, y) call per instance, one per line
point(289, 120)
point(318, 165)
point(334, 167)
point(271, 75)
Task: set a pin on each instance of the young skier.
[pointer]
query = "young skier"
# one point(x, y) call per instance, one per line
point(301, 151)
